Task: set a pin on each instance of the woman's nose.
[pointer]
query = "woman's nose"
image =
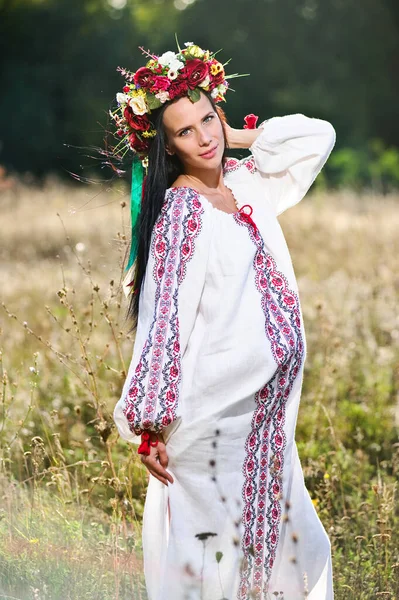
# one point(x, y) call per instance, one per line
point(204, 138)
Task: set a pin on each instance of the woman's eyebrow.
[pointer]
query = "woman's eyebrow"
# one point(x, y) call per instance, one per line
point(188, 126)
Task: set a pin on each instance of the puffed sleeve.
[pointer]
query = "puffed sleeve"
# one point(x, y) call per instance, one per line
point(171, 291)
point(288, 154)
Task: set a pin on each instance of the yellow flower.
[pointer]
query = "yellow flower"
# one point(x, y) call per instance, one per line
point(326, 476)
point(151, 64)
point(216, 68)
point(139, 92)
point(149, 134)
point(315, 502)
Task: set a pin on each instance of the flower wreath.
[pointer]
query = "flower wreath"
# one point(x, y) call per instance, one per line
point(164, 78)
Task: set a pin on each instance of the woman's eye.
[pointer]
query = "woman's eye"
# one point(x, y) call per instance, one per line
point(183, 132)
point(209, 117)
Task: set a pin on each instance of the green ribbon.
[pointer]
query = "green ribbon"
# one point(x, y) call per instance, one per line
point(135, 206)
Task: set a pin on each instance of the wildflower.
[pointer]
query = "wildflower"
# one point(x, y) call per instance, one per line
point(204, 536)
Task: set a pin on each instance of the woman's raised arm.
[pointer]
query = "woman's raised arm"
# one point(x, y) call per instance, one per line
point(289, 152)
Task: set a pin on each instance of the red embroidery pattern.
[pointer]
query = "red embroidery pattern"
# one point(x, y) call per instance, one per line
point(265, 444)
point(153, 393)
point(233, 164)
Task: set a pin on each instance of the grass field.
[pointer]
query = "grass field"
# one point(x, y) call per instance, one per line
point(72, 492)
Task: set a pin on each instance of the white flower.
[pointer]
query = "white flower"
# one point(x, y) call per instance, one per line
point(163, 96)
point(138, 105)
point(176, 65)
point(121, 98)
point(219, 90)
point(206, 82)
point(167, 58)
point(172, 74)
point(188, 44)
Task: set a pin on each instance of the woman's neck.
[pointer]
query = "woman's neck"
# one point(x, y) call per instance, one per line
point(205, 178)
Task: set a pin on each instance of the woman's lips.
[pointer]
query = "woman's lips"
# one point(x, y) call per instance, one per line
point(210, 154)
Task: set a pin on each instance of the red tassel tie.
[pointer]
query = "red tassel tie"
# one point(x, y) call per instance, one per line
point(146, 444)
point(247, 216)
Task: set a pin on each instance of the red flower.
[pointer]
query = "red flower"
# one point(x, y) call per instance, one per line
point(136, 122)
point(126, 89)
point(250, 121)
point(160, 84)
point(144, 77)
point(195, 71)
point(178, 88)
point(137, 144)
point(218, 79)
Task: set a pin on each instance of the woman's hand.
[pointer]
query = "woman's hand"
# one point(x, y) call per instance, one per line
point(157, 461)
point(240, 138)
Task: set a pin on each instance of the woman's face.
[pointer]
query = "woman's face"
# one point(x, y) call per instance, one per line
point(194, 132)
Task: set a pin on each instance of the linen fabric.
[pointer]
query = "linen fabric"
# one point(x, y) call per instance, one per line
point(217, 366)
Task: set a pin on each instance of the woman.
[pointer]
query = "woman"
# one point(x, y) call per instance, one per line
point(215, 380)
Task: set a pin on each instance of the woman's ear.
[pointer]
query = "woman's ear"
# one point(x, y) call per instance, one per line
point(167, 147)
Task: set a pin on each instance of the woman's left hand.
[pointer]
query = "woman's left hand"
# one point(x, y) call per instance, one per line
point(157, 461)
point(240, 138)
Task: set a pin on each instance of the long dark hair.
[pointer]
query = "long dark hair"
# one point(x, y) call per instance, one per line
point(162, 171)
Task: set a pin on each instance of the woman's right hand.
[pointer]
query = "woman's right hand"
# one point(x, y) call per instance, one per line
point(157, 461)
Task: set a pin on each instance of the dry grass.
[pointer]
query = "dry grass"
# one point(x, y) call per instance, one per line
point(65, 351)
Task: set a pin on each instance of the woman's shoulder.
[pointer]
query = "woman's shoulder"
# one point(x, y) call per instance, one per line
point(180, 181)
point(183, 197)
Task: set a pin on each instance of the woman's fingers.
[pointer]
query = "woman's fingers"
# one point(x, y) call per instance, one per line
point(155, 466)
point(163, 457)
point(157, 470)
point(161, 479)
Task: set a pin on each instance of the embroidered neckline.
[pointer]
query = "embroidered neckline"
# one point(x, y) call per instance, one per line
point(207, 201)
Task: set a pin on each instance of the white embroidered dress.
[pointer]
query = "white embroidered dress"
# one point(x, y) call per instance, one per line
point(217, 366)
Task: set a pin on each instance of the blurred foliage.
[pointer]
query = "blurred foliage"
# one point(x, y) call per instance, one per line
point(330, 59)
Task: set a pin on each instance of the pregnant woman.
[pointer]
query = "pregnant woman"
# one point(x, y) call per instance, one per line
point(214, 384)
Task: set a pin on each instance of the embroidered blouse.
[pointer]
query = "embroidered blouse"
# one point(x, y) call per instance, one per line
point(218, 359)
